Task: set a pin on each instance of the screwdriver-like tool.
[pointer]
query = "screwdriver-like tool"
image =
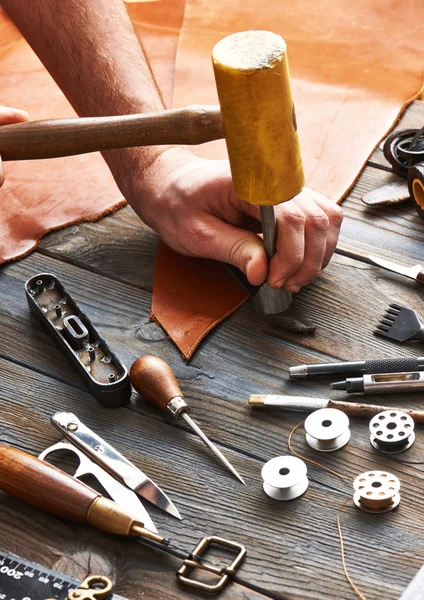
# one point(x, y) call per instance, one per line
point(154, 379)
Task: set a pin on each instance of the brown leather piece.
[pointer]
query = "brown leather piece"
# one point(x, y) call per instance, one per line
point(42, 195)
point(191, 296)
point(354, 66)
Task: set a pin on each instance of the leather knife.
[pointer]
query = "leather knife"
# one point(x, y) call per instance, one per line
point(110, 459)
point(415, 272)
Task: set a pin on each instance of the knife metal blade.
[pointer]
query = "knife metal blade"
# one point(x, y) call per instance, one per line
point(116, 490)
point(415, 272)
point(110, 459)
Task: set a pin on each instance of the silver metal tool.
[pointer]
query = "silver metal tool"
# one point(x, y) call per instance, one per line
point(415, 272)
point(111, 460)
point(284, 478)
point(154, 379)
point(327, 430)
point(126, 498)
point(268, 300)
point(382, 383)
point(392, 431)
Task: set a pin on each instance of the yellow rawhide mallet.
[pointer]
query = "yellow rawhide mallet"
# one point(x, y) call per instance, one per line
point(253, 82)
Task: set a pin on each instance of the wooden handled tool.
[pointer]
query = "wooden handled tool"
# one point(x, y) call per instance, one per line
point(154, 379)
point(253, 82)
point(66, 137)
point(306, 404)
point(56, 492)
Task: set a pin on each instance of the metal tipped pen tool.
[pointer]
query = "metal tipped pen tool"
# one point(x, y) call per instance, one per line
point(154, 379)
point(382, 383)
point(306, 404)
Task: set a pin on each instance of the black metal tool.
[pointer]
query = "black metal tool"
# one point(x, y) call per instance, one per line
point(360, 367)
point(404, 150)
point(102, 371)
point(401, 324)
point(22, 579)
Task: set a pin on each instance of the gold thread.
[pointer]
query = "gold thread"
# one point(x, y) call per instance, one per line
point(348, 577)
point(345, 477)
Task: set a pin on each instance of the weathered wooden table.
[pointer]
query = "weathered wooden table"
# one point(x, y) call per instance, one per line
point(293, 548)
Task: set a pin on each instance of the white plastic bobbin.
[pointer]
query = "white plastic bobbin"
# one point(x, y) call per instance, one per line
point(392, 431)
point(327, 429)
point(285, 478)
point(376, 491)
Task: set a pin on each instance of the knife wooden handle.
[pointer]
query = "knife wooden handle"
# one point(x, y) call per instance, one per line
point(43, 485)
point(67, 137)
point(154, 379)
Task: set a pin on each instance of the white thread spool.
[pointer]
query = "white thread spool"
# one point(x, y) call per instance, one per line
point(392, 431)
point(327, 429)
point(284, 478)
point(376, 491)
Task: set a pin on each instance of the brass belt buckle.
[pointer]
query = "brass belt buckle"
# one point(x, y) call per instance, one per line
point(87, 590)
point(224, 573)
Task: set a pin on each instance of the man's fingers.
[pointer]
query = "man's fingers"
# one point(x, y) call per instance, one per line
point(316, 229)
point(12, 115)
point(335, 218)
point(290, 244)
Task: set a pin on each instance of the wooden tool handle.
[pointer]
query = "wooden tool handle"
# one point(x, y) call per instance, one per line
point(43, 485)
point(67, 137)
point(367, 411)
point(154, 379)
point(253, 83)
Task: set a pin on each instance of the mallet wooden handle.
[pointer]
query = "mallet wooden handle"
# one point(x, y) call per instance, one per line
point(66, 137)
point(154, 379)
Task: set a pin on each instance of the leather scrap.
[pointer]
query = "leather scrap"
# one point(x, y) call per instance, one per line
point(188, 312)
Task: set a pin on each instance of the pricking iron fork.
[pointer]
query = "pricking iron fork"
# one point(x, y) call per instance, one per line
point(112, 461)
point(401, 324)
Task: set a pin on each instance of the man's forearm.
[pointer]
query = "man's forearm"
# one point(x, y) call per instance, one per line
point(91, 50)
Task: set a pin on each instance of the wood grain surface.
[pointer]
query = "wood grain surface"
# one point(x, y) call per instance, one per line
point(293, 548)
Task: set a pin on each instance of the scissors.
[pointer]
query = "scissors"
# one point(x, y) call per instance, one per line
point(122, 495)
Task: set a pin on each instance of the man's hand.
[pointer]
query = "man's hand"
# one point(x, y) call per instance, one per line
point(8, 116)
point(98, 62)
point(191, 203)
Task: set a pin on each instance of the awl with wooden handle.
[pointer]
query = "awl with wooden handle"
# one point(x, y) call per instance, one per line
point(307, 404)
point(253, 83)
point(154, 379)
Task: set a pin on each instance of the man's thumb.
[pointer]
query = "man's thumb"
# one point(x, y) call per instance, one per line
point(241, 248)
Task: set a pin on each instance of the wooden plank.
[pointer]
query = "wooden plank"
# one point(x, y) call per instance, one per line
point(293, 547)
point(289, 543)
